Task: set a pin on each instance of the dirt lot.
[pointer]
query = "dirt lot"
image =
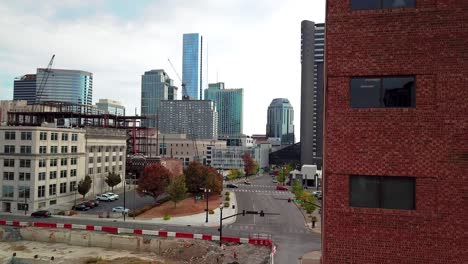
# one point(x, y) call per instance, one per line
point(185, 251)
point(185, 207)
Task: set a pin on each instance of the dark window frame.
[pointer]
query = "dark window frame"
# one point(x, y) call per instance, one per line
point(382, 88)
point(380, 191)
point(382, 4)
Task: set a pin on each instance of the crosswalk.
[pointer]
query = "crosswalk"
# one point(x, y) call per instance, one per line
point(256, 228)
point(262, 191)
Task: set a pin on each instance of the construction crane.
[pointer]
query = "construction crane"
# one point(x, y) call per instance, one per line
point(184, 91)
point(190, 113)
point(42, 84)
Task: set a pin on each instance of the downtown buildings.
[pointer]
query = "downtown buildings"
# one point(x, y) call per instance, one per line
point(229, 104)
point(396, 142)
point(194, 65)
point(280, 121)
point(312, 53)
point(155, 87)
point(111, 107)
point(55, 85)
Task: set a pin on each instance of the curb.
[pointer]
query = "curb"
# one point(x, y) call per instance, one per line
point(119, 230)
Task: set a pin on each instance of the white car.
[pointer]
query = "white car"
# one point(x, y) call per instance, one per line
point(104, 197)
point(113, 195)
point(275, 181)
point(120, 209)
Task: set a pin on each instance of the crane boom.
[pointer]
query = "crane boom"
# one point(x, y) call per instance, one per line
point(184, 91)
point(42, 84)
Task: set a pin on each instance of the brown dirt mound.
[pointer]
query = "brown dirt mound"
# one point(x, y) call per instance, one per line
point(186, 207)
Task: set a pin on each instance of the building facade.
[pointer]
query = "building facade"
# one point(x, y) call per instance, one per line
point(230, 158)
point(280, 121)
point(70, 86)
point(173, 93)
point(396, 141)
point(229, 103)
point(111, 107)
point(312, 54)
point(40, 166)
point(196, 118)
point(155, 86)
point(24, 88)
point(194, 65)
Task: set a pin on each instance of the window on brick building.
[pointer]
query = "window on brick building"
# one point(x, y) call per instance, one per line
point(378, 92)
point(381, 4)
point(387, 192)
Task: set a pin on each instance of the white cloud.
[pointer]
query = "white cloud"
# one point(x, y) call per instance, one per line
point(253, 45)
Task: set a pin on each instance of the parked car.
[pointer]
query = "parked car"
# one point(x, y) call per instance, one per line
point(275, 181)
point(42, 213)
point(317, 194)
point(104, 197)
point(231, 185)
point(247, 182)
point(115, 196)
point(281, 188)
point(91, 203)
point(120, 209)
point(81, 207)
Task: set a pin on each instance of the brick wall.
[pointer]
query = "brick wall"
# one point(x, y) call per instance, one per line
point(429, 142)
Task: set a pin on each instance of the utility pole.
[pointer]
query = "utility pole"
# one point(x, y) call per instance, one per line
point(124, 213)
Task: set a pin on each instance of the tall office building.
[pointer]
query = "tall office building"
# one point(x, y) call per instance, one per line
point(196, 118)
point(173, 93)
point(155, 86)
point(396, 142)
point(312, 51)
point(111, 107)
point(24, 88)
point(194, 65)
point(280, 121)
point(229, 104)
point(69, 86)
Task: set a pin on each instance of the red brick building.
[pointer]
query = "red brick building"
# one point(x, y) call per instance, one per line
point(396, 132)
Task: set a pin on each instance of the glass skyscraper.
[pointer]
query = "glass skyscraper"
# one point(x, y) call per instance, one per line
point(229, 103)
point(194, 68)
point(25, 88)
point(155, 85)
point(111, 107)
point(69, 86)
point(280, 121)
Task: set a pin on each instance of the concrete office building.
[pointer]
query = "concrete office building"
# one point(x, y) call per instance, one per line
point(395, 186)
point(196, 118)
point(40, 166)
point(155, 86)
point(280, 121)
point(24, 88)
point(312, 53)
point(179, 146)
point(70, 86)
point(111, 107)
point(230, 158)
point(194, 65)
point(229, 103)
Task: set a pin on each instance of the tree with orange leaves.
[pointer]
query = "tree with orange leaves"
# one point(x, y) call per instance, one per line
point(154, 181)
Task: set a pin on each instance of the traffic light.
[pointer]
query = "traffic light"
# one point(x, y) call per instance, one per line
point(262, 213)
point(243, 212)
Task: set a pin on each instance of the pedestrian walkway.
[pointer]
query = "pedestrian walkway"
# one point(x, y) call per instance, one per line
point(255, 185)
point(263, 191)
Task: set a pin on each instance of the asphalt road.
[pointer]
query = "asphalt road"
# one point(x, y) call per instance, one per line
point(288, 229)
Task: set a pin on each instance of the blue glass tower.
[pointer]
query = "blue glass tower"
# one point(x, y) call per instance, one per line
point(155, 85)
point(193, 66)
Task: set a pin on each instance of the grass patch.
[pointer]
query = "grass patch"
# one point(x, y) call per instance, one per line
point(166, 217)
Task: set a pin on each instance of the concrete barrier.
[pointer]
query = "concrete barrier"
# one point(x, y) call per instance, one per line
point(98, 240)
point(79, 238)
point(124, 242)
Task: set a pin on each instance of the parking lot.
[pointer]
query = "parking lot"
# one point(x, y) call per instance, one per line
point(132, 201)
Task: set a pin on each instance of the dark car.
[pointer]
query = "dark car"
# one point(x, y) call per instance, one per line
point(230, 185)
point(91, 203)
point(42, 213)
point(81, 207)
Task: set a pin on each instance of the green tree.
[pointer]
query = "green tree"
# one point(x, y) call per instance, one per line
point(154, 181)
point(177, 189)
point(309, 201)
point(113, 179)
point(84, 185)
point(281, 178)
point(297, 188)
point(234, 174)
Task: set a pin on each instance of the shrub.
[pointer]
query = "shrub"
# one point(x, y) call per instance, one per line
point(228, 198)
point(211, 212)
point(226, 204)
point(313, 218)
point(166, 217)
point(61, 213)
point(227, 193)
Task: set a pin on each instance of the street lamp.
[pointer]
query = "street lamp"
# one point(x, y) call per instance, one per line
point(124, 198)
point(75, 189)
point(221, 206)
point(207, 193)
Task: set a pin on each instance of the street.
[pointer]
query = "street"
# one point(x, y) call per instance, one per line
point(288, 229)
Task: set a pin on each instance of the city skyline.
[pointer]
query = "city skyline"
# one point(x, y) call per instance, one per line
point(123, 41)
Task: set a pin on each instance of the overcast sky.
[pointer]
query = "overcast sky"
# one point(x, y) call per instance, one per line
point(253, 44)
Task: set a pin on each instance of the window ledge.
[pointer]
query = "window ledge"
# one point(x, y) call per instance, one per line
point(386, 212)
